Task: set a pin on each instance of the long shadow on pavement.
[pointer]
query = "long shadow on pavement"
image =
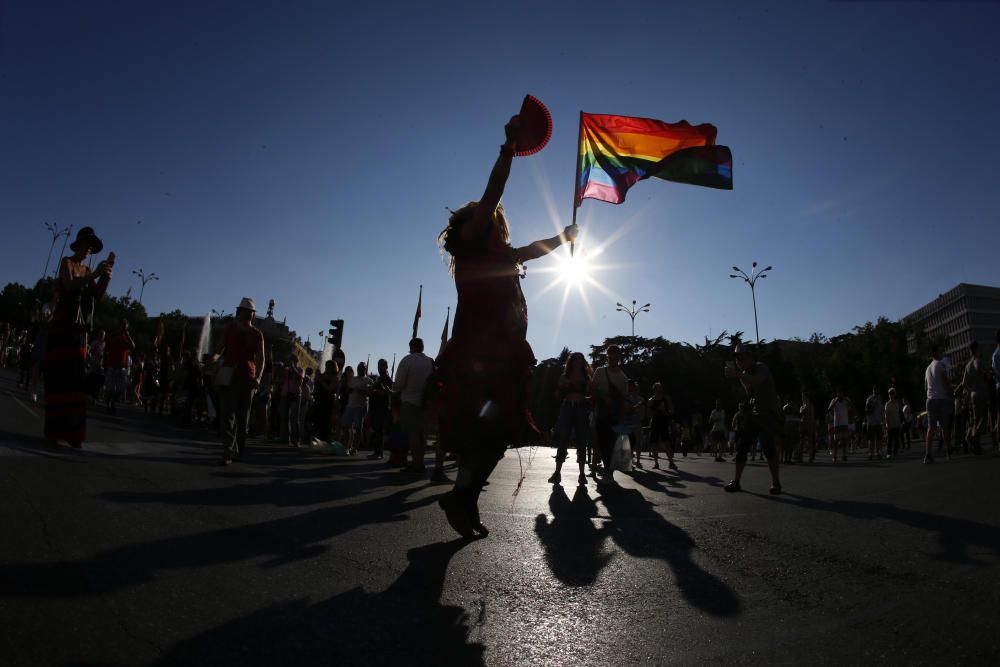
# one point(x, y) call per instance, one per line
point(574, 546)
point(404, 625)
point(954, 535)
point(284, 540)
point(643, 533)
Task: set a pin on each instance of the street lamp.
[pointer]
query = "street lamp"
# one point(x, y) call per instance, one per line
point(56, 233)
point(218, 313)
point(751, 280)
point(145, 279)
point(632, 312)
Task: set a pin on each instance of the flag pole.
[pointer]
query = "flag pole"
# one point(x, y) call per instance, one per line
point(576, 177)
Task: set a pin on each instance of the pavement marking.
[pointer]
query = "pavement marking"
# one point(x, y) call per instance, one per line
point(23, 405)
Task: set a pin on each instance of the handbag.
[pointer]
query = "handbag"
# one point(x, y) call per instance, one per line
point(621, 455)
point(223, 376)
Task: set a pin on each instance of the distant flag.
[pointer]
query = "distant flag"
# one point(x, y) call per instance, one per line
point(616, 152)
point(444, 332)
point(416, 315)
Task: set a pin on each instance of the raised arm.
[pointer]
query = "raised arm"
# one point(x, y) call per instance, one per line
point(483, 215)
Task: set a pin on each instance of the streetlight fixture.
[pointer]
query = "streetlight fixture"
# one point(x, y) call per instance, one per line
point(632, 312)
point(751, 280)
point(56, 233)
point(145, 279)
point(218, 313)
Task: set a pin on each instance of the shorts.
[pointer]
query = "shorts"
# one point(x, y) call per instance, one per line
point(354, 417)
point(116, 380)
point(940, 411)
point(411, 418)
point(763, 428)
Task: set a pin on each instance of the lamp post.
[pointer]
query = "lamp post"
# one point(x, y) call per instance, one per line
point(751, 280)
point(632, 312)
point(56, 233)
point(145, 279)
point(218, 313)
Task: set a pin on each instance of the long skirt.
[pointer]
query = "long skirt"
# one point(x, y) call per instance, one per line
point(65, 386)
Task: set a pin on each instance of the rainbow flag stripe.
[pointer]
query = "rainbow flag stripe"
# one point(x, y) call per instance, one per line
point(616, 152)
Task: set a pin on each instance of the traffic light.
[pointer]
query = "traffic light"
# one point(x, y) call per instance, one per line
point(336, 333)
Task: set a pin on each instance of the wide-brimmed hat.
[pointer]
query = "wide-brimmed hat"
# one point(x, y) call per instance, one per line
point(86, 236)
point(247, 304)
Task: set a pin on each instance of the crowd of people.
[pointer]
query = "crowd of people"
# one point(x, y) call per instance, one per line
point(474, 397)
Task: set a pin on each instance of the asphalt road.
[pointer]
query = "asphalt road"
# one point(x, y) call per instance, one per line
point(141, 550)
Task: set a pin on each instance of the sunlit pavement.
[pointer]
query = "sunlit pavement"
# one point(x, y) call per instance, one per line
point(141, 550)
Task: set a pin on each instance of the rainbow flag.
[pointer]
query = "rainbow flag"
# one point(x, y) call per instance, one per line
point(616, 152)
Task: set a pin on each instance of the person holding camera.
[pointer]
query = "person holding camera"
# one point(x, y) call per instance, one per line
point(77, 290)
point(764, 421)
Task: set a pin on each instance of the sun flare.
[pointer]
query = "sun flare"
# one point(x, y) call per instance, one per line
point(573, 270)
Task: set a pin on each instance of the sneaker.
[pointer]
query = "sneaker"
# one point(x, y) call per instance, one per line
point(556, 478)
point(928, 458)
point(672, 465)
point(732, 487)
point(775, 489)
point(638, 463)
point(656, 464)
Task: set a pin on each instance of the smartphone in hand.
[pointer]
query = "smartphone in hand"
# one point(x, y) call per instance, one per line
point(111, 258)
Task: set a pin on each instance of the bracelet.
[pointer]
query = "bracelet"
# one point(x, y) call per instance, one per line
point(506, 150)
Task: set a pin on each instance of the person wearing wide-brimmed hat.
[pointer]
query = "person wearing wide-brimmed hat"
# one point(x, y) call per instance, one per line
point(77, 289)
point(242, 353)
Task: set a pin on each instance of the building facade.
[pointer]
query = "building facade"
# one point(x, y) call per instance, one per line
point(962, 314)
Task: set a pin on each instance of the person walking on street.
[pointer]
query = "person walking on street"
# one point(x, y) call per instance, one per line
point(610, 389)
point(242, 354)
point(940, 405)
point(327, 385)
point(893, 425)
point(77, 291)
point(717, 425)
point(764, 422)
point(484, 370)
point(379, 413)
point(290, 405)
point(661, 410)
point(874, 412)
point(807, 437)
point(116, 356)
point(411, 382)
point(840, 411)
point(573, 422)
point(974, 382)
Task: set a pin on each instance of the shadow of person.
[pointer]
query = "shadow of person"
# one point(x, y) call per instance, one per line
point(283, 540)
point(641, 532)
point(658, 482)
point(404, 625)
point(955, 536)
point(573, 545)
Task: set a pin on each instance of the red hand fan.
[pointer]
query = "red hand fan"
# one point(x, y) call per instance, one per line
point(536, 127)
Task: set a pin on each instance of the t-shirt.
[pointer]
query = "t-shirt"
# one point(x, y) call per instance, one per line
point(974, 379)
point(116, 351)
point(873, 409)
point(936, 380)
point(610, 383)
point(411, 377)
point(841, 412)
point(893, 416)
point(358, 388)
point(241, 348)
point(764, 394)
point(718, 420)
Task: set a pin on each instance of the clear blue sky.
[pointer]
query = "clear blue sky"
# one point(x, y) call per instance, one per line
point(306, 152)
